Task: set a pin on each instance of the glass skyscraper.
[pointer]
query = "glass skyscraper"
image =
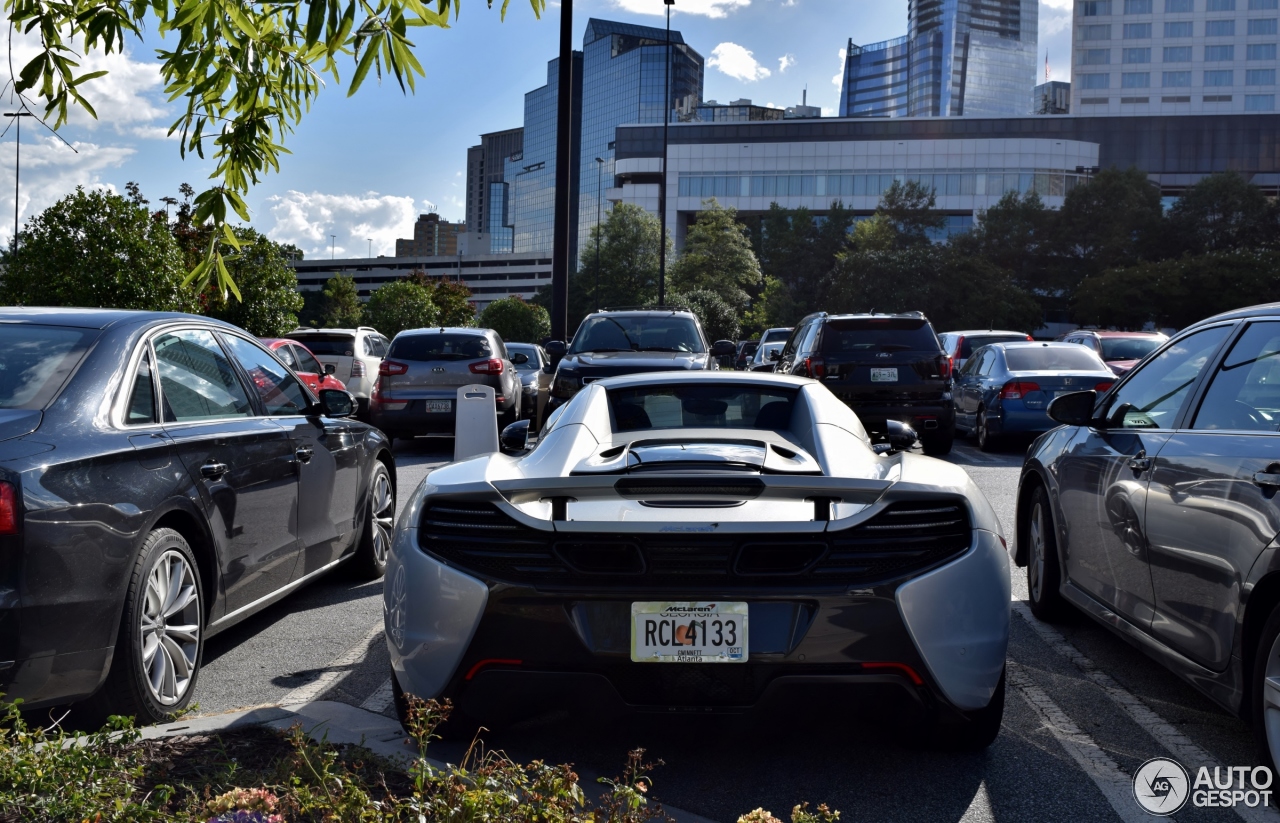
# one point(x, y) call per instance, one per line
point(960, 57)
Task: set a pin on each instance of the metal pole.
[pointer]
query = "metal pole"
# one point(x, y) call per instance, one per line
point(662, 199)
point(599, 205)
point(370, 248)
point(333, 242)
point(17, 172)
point(564, 163)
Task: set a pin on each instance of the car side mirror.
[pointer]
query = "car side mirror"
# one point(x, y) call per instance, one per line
point(1075, 409)
point(774, 355)
point(900, 436)
point(515, 438)
point(330, 368)
point(556, 350)
point(724, 348)
point(336, 403)
point(519, 359)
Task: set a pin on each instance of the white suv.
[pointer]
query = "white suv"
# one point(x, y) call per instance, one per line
point(354, 353)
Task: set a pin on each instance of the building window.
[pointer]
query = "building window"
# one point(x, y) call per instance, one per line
point(1135, 80)
point(1260, 77)
point(1095, 32)
point(1220, 28)
point(1176, 79)
point(1264, 26)
point(1185, 98)
point(1095, 8)
point(1137, 6)
point(1217, 98)
point(1095, 81)
point(1095, 57)
point(1262, 51)
point(1220, 5)
point(1219, 54)
point(1259, 102)
point(1177, 54)
point(1220, 77)
point(1178, 6)
point(1183, 29)
point(1263, 5)
point(1137, 31)
point(1137, 55)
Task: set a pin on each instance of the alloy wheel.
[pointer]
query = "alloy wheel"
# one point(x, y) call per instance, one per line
point(1035, 563)
point(170, 628)
point(983, 434)
point(1271, 701)
point(383, 510)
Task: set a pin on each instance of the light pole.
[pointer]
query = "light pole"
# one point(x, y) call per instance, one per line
point(599, 206)
point(566, 200)
point(370, 248)
point(17, 169)
point(662, 201)
point(333, 243)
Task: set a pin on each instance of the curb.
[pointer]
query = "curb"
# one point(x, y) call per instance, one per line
point(341, 723)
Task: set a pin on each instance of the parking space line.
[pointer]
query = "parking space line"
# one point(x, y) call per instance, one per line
point(1184, 750)
point(979, 810)
point(380, 700)
point(1115, 785)
point(334, 671)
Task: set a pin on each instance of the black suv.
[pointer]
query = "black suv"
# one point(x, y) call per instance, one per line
point(612, 342)
point(883, 366)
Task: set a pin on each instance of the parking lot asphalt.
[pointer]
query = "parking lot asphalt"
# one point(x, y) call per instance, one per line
point(1084, 711)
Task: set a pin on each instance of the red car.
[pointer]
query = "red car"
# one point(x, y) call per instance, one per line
point(1120, 350)
point(299, 358)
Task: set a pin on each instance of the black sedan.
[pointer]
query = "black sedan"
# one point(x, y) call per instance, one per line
point(162, 477)
point(1154, 511)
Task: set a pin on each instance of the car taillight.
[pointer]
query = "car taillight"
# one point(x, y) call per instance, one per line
point(385, 368)
point(9, 522)
point(944, 367)
point(491, 366)
point(1104, 386)
point(959, 346)
point(357, 368)
point(1017, 390)
point(1032, 339)
point(816, 367)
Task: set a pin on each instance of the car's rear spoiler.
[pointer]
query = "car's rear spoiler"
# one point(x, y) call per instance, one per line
point(693, 487)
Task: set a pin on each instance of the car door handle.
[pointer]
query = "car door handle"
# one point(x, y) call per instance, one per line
point(304, 454)
point(214, 470)
point(1267, 479)
point(1140, 462)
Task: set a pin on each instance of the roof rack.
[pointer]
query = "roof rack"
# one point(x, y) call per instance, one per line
point(646, 308)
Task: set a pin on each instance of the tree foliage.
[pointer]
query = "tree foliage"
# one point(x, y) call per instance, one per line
point(453, 300)
point(909, 208)
point(271, 300)
point(340, 304)
point(1224, 212)
point(719, 318)
point(516, 321)
point(400, 305)
point(718, 258)
point(94, 248)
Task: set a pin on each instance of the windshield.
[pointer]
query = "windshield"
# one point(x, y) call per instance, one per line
point(691, 406)
point(37, 361)
point(762, 353)
point(638, 332)
point(776, 336)
point(1067, 357)
point(332, 345)
point(1128, 348)
point(878, 335)
point(531, 352)
point(978, 341)
point(440, 346)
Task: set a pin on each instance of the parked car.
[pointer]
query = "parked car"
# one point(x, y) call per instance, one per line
point(1006, 388)
point(163, 477)
point(1153, 510)
point(766, 357)
point(535, 378)
point(354, 354)
point(418, 381)
point(718, 517)
point(883, 366)
point(960, 345)
point(610, 343)
point(1120, 350)
point(304, 364)
point(746, 348)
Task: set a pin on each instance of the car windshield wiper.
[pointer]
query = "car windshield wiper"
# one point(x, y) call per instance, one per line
point(599, 351)
point(664, 348)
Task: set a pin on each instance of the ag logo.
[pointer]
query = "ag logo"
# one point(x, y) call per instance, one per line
point(1161, 786)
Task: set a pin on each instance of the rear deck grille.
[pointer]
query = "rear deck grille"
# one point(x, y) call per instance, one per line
point(905, 538)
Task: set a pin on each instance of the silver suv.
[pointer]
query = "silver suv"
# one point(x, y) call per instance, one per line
point(419, 379)
point(354, 354)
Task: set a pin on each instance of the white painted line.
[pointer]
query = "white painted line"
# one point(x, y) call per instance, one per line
point(335, 671)
point(977, 455)
point(1115, 785)
point(979, 810)
point(1183, 749)
point(380, 700)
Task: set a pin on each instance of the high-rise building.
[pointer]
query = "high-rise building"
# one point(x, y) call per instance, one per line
point(488, 210)
point(1051, 97)
point(960, 57)
point(738, 111)
point(432, 237)
point(1175, 56)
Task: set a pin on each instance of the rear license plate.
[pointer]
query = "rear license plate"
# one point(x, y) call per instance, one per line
point(884, 375)
point(669, 632)
point(437, 406)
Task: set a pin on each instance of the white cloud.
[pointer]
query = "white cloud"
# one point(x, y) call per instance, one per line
point(838, 79)
point(307, 219)
point(51, 171)
point(710, 8)
point(785, 62)
point(737, 62)
point(1065, 5)
point(827, 111)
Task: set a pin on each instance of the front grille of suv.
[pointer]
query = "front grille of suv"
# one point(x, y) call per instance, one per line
point(904, 539)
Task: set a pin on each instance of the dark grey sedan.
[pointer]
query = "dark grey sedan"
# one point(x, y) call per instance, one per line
point(162, 477)
point(1154, 511)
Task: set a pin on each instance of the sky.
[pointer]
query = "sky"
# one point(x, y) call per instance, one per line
point(363, 167)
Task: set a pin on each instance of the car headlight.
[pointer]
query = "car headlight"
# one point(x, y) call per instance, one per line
point(566, 383)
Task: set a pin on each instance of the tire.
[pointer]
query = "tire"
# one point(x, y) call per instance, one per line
point(981, 729)
point(151, 608)
point(458, 727)
point(511, 415)
point(1265, 704)
point(370, 559)
point(938, 443)
point(1044, 576)
point(986, 440)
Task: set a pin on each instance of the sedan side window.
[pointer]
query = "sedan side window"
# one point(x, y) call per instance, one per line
point(285, 353)
point(988, 361)
point(197, 381)
point(279, 391)
point(142, 398)
point(1152, 397)
point(1245, 392)
point(307, 363)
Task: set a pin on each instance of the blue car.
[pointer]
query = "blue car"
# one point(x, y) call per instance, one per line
point(1005, 388)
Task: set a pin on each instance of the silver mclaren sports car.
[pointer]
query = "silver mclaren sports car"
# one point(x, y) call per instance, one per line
point(704, 542)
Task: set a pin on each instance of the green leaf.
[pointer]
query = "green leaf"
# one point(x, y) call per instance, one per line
point(224, 277)
point(362, 69)
point(90, 76)
point(230, 236)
